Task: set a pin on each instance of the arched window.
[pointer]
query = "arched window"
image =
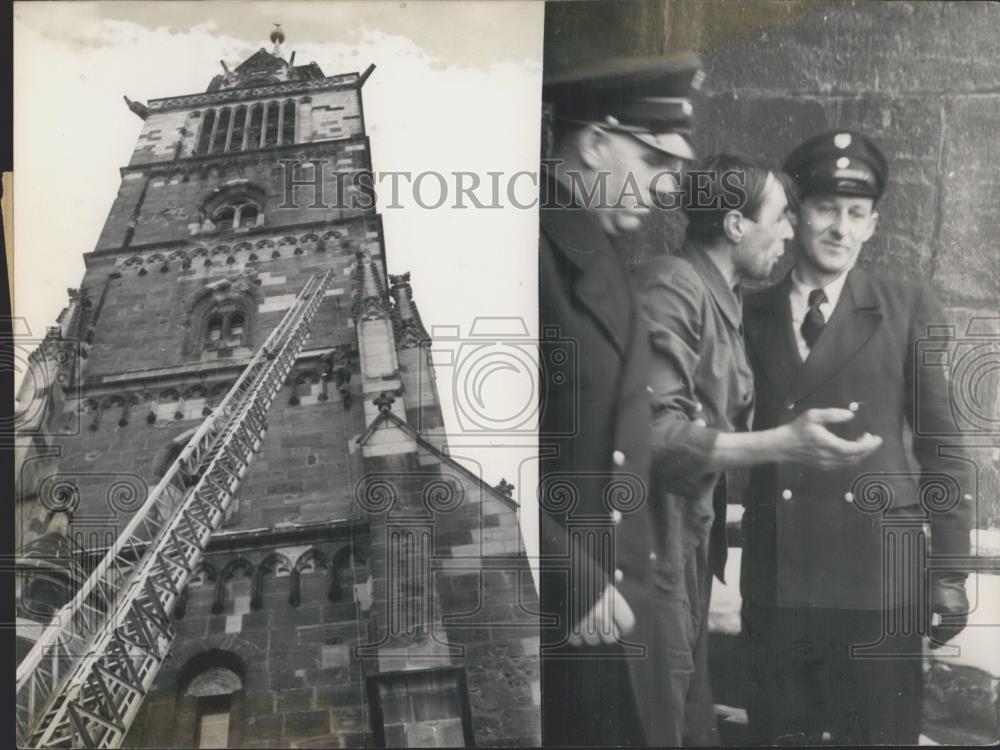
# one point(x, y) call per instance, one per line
point(212, 684)
point(205, 137)
point(221, 131)
point(224, 218)
point(248, 216)
point(236, 213)
point(236, 323)
point(239, 124)
point(225, 326)
point(214, 328)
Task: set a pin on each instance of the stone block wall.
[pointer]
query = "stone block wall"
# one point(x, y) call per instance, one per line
point(166, 203)
point(322, 115)
point(474, 607)
point(301, 683)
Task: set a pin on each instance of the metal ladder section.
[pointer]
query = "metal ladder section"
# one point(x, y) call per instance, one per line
point(84, 680)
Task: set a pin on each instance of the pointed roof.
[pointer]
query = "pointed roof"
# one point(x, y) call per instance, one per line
point(262, 68)
point(387, 418)
point(409, 327)
point(371, 300)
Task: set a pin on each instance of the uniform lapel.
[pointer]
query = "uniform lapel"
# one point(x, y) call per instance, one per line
point(853, 322)
point(601, 284)
point(773, 336)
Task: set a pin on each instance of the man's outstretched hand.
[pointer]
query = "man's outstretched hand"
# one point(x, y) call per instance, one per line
point(810, 442)
point(608, 620)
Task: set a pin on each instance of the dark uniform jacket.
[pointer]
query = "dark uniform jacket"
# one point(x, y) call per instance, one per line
point(833, 538)
point(594, 432)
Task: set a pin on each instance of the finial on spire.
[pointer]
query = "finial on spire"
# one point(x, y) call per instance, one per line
point(277, 37)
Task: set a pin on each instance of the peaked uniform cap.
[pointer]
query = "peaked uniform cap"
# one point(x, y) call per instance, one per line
point(649, 97)
point(839, 162)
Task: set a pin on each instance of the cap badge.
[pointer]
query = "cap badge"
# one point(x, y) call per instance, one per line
point(842, 140)
point(843, 162)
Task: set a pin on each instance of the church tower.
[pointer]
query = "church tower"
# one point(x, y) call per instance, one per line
point(363, 588)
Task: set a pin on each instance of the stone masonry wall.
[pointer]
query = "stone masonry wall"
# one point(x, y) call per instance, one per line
point(475, 607)
point(324, 115)
point(165, 203)
point(302, 685)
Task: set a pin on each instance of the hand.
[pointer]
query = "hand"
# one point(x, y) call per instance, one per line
point(950, 608)
point(808, 441)
point(608, 620)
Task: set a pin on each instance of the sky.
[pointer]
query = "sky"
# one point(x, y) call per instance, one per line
point(457, 87)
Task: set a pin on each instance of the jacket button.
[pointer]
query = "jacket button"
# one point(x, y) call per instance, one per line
point(616, 516)
point(619, 576)
point(618, 458)
point(649, 389)
point(849, 497)
point(786, 494)
point(698, 406)
point(789, 407)
point(652, 555)
point(700, 422)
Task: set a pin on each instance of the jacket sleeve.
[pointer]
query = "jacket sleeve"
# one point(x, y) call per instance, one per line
point(674, 307)
point(948, 485)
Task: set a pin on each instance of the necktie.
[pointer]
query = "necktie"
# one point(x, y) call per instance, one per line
point(814, 321)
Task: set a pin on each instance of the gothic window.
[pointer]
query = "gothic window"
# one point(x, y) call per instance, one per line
point(256, 125)
point(273, 116)
point(224, 218)
point(226, 326)
point(205, 137)
point(239, 125)
point(236, 322)
point(288, 122)
point(221, 131)
point(215, 328)
point(248, 215)
point(237, 212)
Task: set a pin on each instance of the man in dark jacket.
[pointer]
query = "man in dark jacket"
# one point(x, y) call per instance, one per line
point(619, 130)
point(702, 392)
point(834, 569)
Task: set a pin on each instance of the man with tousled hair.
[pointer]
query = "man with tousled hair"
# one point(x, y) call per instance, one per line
point(702, 389)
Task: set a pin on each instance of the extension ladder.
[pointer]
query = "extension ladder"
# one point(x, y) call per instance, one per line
point(84, 680)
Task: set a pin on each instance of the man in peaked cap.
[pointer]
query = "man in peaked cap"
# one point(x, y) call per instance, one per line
point(618, 137)
point(832, 615)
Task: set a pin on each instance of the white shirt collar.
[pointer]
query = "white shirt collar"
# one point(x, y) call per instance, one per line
point(832, 290)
